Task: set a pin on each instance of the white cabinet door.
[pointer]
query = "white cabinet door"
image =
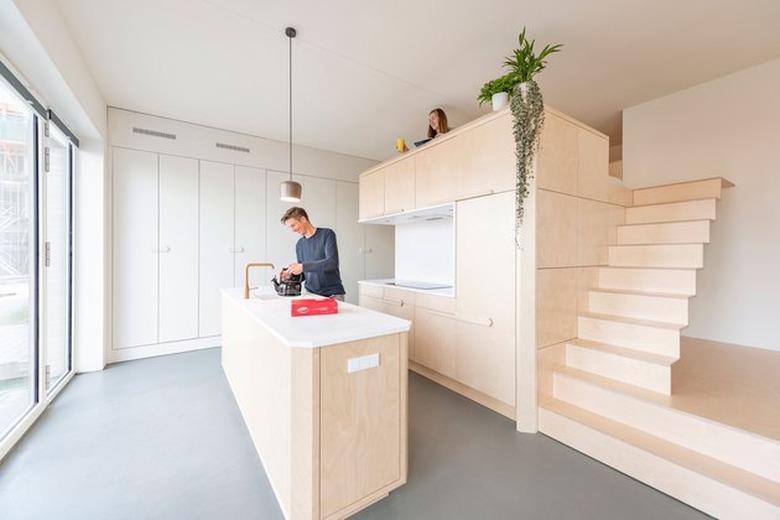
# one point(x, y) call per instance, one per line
point(216, 242)
point(379, 251)
point(250, 225)
point(135, 247)
point(178, 285)
point(350, 239)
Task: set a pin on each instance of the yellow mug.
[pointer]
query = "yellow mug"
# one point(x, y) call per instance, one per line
point(400, 144)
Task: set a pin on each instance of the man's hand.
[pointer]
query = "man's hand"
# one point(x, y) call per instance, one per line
point(295, 268)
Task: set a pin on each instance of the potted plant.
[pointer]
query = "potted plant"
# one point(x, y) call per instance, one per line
point(497, 91)
point(527, 109)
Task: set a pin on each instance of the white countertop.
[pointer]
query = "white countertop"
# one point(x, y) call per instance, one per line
point(387, 282)
point(351, 323)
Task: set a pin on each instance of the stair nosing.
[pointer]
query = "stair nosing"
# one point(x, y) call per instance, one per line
point(618, 350)
point(631, 292)
point(701, 464)
point(673, 202)
point(664, 222)
point(633, 321)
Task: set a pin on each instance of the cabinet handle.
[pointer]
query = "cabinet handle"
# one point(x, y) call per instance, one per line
point(166, 249)
point(476, 320)
point(236, 250)
point(399, 303)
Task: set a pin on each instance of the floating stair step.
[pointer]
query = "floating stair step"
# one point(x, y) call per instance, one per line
point(675, 256)
point(671, 212)
point(652, 413)
point(687, 232)
point(670, 281)
point(669, 308)
point(703, 189)
point(719, 489)
point(648, 336)
point(642, 369)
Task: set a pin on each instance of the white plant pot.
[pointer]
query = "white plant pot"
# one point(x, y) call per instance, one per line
point(500, 100)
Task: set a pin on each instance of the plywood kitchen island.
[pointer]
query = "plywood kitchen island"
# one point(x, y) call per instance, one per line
point(324, 399)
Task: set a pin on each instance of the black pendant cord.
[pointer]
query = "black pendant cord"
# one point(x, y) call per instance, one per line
point(290, 32)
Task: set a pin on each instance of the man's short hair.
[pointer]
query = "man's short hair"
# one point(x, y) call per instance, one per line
point(296, 213)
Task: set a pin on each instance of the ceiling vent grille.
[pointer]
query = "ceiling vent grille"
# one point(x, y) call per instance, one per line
point(153, 133)
point(233, 147)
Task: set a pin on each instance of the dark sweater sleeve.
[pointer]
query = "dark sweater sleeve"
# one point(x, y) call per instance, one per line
point(331, 260)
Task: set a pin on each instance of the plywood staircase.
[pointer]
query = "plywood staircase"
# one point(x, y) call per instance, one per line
point(612, 388)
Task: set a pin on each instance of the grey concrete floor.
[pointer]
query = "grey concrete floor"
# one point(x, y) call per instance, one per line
point(163, 439)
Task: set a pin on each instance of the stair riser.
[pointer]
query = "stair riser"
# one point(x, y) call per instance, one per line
point(680, 256)
point(695, 232)
point(688, 486)
point(653, 308)
point(650, 376)
point(735, 447)
point(639, 337)
point(682, 282)
point(672, 212)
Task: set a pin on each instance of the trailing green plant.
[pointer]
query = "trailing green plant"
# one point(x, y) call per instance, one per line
point(527, 108)
point(505, 83)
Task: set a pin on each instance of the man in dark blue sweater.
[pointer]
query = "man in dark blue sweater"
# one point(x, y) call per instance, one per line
point(317, 253)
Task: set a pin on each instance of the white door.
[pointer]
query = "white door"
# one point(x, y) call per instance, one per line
point(350, 238)
point(216, 242)
point(379, 251)
point(135, 248)
point(250, 225)
point(178, 245)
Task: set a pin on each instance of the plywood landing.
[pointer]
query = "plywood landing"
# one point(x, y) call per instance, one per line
point(734, 385)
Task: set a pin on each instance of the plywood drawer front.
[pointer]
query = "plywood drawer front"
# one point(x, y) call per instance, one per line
point(398, 296)
point(435, 302)
point(375, 291)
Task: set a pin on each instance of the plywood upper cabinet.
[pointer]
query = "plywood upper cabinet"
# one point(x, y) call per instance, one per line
point(436, 167)
point(372, 195)
point(399, 186)
point(487, 159)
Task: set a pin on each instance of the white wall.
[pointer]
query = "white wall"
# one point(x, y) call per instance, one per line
point(729, 127)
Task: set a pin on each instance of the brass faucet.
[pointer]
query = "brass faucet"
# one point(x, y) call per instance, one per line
point(246, 275)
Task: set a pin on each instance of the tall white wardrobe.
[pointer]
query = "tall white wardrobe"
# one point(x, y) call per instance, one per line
point(191, 205)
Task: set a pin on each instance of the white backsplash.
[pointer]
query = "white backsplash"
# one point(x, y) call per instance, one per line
point(425, 251)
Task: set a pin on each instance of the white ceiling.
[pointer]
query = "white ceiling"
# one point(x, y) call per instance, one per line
point(366, 72)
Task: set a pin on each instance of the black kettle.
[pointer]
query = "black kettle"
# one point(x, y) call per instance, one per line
point(288, 287)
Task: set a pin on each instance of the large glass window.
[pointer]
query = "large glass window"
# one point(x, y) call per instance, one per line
point(57, 257)
point(18, 363)
point(36, 178)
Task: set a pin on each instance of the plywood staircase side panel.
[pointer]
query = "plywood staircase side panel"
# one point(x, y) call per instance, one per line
point(693, 190)
point(707, 484)
point(672, 212)
point(686, 232)
point(672, 256)
point(645, 336)
point(652, 414)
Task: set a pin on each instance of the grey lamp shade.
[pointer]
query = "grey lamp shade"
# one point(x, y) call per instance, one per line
point(290, 191)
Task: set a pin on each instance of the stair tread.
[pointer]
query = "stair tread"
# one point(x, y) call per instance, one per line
point(633, 321)
point(639, 355)
point(675, 203)
point(651, 397)
point(632, 292)
point(666, 223)
point(658, 246)
point(732, 476)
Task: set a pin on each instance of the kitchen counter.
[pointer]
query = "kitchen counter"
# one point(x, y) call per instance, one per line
point(351, 323)
point(391, 282)
point(324, 399)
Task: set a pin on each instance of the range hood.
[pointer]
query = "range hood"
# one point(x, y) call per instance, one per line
point(431, 214)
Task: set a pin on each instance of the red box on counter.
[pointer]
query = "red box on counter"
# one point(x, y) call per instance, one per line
point(314, 307)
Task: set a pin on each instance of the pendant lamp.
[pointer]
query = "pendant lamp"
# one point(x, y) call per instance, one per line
point(290, 191)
